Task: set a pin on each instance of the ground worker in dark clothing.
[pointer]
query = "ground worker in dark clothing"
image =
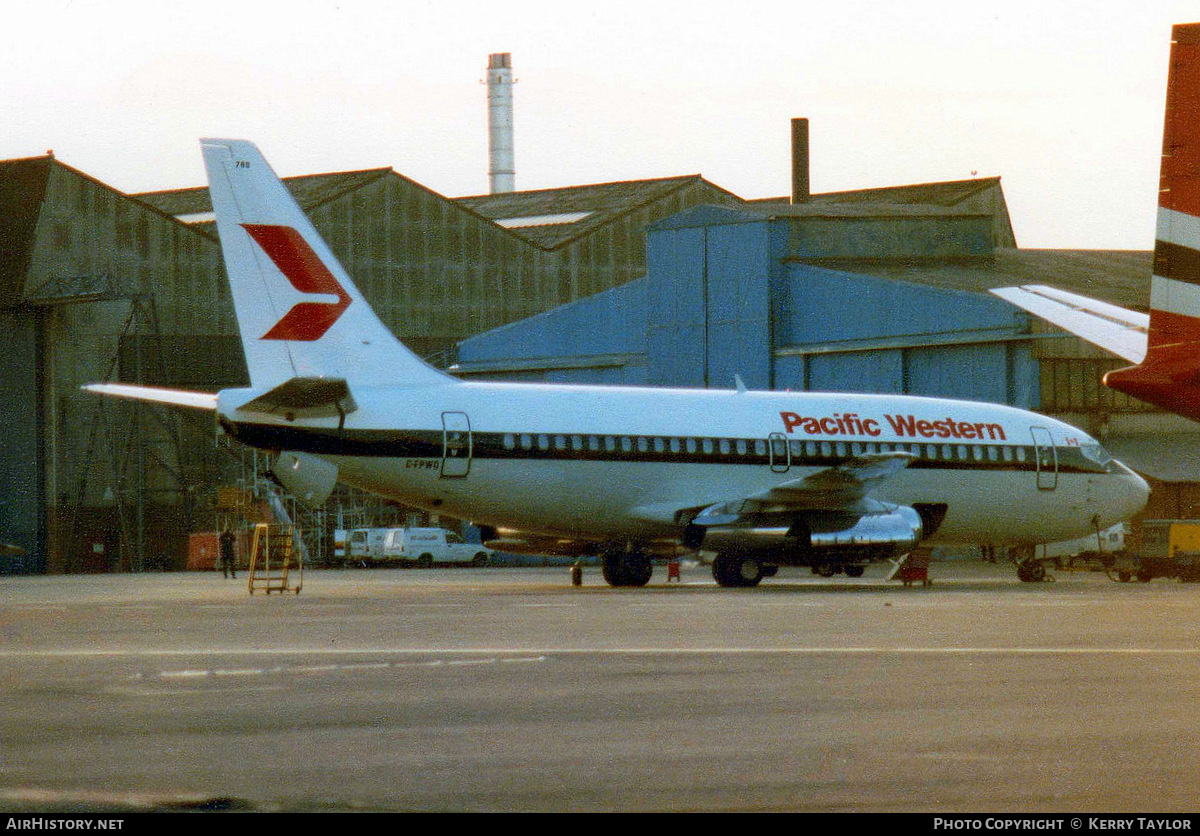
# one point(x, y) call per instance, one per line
point(227, 556)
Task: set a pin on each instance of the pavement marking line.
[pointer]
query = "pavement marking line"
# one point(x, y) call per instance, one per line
point(594, 651)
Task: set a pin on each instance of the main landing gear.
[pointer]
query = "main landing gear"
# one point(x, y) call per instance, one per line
point(630, 567)
point(738, 570)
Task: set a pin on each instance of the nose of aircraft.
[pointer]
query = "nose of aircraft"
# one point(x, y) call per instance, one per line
point(1132, 494)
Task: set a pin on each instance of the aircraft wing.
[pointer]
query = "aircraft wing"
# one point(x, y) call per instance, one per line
point(1121, 331)
point(843, 488)
point(152, 394)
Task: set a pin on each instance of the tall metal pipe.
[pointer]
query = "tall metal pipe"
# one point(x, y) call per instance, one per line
point(800, 187)
point(501, 164)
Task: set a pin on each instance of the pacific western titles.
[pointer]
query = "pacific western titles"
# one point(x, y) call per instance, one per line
point(850, 425)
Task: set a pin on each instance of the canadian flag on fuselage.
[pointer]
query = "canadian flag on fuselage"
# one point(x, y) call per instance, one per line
point(1169, 376)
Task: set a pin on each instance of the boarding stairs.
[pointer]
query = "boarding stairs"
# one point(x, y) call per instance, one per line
point(276, 565)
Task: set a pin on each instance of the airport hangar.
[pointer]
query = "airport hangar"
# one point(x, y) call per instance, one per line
point(671, 281)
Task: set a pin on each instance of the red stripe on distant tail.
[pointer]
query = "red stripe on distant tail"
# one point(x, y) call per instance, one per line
point(1179, 178)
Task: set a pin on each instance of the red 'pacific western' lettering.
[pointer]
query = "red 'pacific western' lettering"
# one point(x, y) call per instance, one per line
point(906, 426)
point(848, 424)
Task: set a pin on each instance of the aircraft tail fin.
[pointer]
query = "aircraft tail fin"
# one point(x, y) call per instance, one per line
point(1166, 375)
point(299, 313)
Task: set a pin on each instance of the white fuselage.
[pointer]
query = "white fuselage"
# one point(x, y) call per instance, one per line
point(613, 463)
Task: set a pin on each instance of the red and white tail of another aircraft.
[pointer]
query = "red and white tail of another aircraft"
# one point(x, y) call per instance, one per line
point(1164, 345)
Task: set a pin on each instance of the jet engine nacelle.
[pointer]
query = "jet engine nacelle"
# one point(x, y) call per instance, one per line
point(820, 536)
point(308, 478)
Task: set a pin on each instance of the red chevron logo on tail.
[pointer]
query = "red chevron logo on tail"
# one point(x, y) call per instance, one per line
point(306, 321)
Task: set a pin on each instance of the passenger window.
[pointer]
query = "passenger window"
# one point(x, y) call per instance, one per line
point(691, 445)
point(560, 442)
point(724, 445)
point(610, 443)
point(707, 446)
point(593, 442)
point(931, 452)
point(947, 452)
point(962, 452)
point(760, 447)
point(993, 453)
point(626, 443)
point(543, 442)
point(797, 448)
point(675, 448)
point(826, 449)
point(1008, 454)
point(660, 446)
point(526, 441)
point(977, 452)
point(576, 442)
point(1020, 454)
point(741, 446)
point(841, 448)
point(642, 444)
point(510, 441)
point(856, 449)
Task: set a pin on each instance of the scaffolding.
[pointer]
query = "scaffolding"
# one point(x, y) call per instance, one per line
point(131, 437)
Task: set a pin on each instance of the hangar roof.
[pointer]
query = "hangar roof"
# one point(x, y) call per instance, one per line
point(22, 187)
point(1120, 277)
point(948, 193)
point(553, 217)
point(310, 191)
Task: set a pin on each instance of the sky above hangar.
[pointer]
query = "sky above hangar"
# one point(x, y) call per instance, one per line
point(1061, 98)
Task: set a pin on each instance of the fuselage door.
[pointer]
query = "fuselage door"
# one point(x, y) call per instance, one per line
point(1047, 458)
point(456, 445)
point(781, 454)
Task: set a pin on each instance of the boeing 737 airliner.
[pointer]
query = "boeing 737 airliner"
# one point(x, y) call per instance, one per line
point(762, 479)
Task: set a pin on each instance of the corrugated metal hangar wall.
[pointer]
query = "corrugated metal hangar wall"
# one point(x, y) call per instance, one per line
point(759, 295)
point(99, 285)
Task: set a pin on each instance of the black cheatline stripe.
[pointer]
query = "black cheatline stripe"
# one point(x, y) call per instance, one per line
point(1173, 261)
point(427, 444)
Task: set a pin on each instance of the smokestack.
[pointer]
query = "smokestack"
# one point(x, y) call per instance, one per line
point(501, 166)
point(800, 191)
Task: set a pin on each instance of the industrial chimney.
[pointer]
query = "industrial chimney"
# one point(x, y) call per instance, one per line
point(800, 187)
point(501, 166)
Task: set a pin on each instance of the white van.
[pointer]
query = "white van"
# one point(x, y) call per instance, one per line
point(364, 545)
point(427, 546)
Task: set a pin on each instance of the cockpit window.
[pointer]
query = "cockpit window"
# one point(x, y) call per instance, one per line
point(1095, 453)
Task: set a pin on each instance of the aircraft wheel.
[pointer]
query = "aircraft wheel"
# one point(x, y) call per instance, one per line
point(1031, 571)
point(480, 560)
point(733, 570)
point(826, 570)
point(425, 561)
point(855, 571)
point(627, 569)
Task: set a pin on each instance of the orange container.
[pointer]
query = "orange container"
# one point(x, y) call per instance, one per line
point(203, 548)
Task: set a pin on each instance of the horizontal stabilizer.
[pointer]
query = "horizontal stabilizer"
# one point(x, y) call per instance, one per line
point(305, 397)
point(1121, 331)
point(151, 394)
